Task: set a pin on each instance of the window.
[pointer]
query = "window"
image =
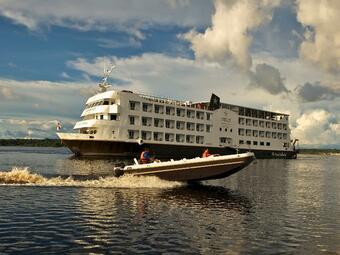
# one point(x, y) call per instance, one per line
point(262, 143)
point(144, 122)
point(268, 143)
point(132, 105)
point(143, 135)
point(241, 142)
point(208, 116)
point(249, 142)
point(180, 112)
point(225, 129)
point(112, 116)
point(132, 120)
point(131, 134)
point(167, 123)
point(254, 142)
point(101, 117)
point(156, 108)
point(167, 137)
point(145, 107)
point(223, 140)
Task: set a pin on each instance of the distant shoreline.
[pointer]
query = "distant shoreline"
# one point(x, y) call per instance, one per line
point(31, 142)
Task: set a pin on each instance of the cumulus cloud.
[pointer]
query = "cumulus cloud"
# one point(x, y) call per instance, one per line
point(318, 127)
point(228, 37)
point(310, 92)
point(268, 78)
point(37, 128)
point(127, 15)
point(41, 98)
point(6, 93)
point(321, 43)
point(167, 76)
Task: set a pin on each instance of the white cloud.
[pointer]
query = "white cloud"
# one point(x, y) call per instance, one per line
point(228, 37)
point(6, 93)
point(318, 127)
point(321, 43)
point(37, 128)
point(128, 15)
point(42, 98)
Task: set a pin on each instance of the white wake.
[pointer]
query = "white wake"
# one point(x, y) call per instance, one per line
point(23, 176)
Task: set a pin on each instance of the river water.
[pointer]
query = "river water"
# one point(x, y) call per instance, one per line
point(51, 204)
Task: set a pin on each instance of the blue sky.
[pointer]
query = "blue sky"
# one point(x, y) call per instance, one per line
point(277, 55)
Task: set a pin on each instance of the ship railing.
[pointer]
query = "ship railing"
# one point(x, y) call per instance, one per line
point(168, 100)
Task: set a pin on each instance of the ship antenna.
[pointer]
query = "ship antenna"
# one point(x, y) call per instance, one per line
point(104, 85)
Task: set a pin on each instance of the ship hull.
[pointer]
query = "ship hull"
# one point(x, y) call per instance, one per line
point(114, 149)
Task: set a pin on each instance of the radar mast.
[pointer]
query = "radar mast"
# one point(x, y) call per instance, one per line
point(104, 85)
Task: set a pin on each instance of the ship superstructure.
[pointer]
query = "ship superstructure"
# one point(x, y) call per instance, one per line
point(121, 123)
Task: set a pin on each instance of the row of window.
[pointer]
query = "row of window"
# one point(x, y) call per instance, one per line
point(261, 114)
point(170, 110)
point(160, 123)
point(169, 137)
point(260, 133)
point(101, 102)
point(254, 143)
point(260, 143)
point(260, 123)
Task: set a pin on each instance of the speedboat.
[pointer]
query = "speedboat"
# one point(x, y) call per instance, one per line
point(187, 170)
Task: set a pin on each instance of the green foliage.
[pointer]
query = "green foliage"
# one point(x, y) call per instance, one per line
point(319, 151)
point(31, 142)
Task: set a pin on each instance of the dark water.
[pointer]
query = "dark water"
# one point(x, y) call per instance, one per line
point(272, 207)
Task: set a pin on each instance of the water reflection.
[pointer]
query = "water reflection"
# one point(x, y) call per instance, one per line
point(171, 218)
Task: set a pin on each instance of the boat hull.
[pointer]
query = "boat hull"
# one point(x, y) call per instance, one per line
point(115, 149)
point(193, 170)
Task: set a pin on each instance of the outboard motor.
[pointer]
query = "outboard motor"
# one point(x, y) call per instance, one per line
point(118, 169)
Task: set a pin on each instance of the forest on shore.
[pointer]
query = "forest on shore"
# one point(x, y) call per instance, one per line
point(31, 142)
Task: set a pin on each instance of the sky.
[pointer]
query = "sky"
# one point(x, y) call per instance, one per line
point(275, 55)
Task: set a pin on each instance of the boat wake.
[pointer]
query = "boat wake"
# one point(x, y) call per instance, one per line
point(23, 176)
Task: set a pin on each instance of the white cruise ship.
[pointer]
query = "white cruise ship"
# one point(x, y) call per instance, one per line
point(119, 123)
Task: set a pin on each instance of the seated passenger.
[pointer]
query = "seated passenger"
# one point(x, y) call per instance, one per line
point(206, 153)
point(145, 157)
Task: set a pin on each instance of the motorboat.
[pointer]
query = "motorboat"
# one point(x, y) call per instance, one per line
point(187, 170)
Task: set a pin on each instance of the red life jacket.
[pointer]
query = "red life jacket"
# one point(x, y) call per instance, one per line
point(205, 154)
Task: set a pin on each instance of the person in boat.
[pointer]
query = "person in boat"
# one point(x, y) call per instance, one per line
point(206, 153)
point(145, 157)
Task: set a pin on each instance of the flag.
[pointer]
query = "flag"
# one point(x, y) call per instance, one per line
point(214, 102)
